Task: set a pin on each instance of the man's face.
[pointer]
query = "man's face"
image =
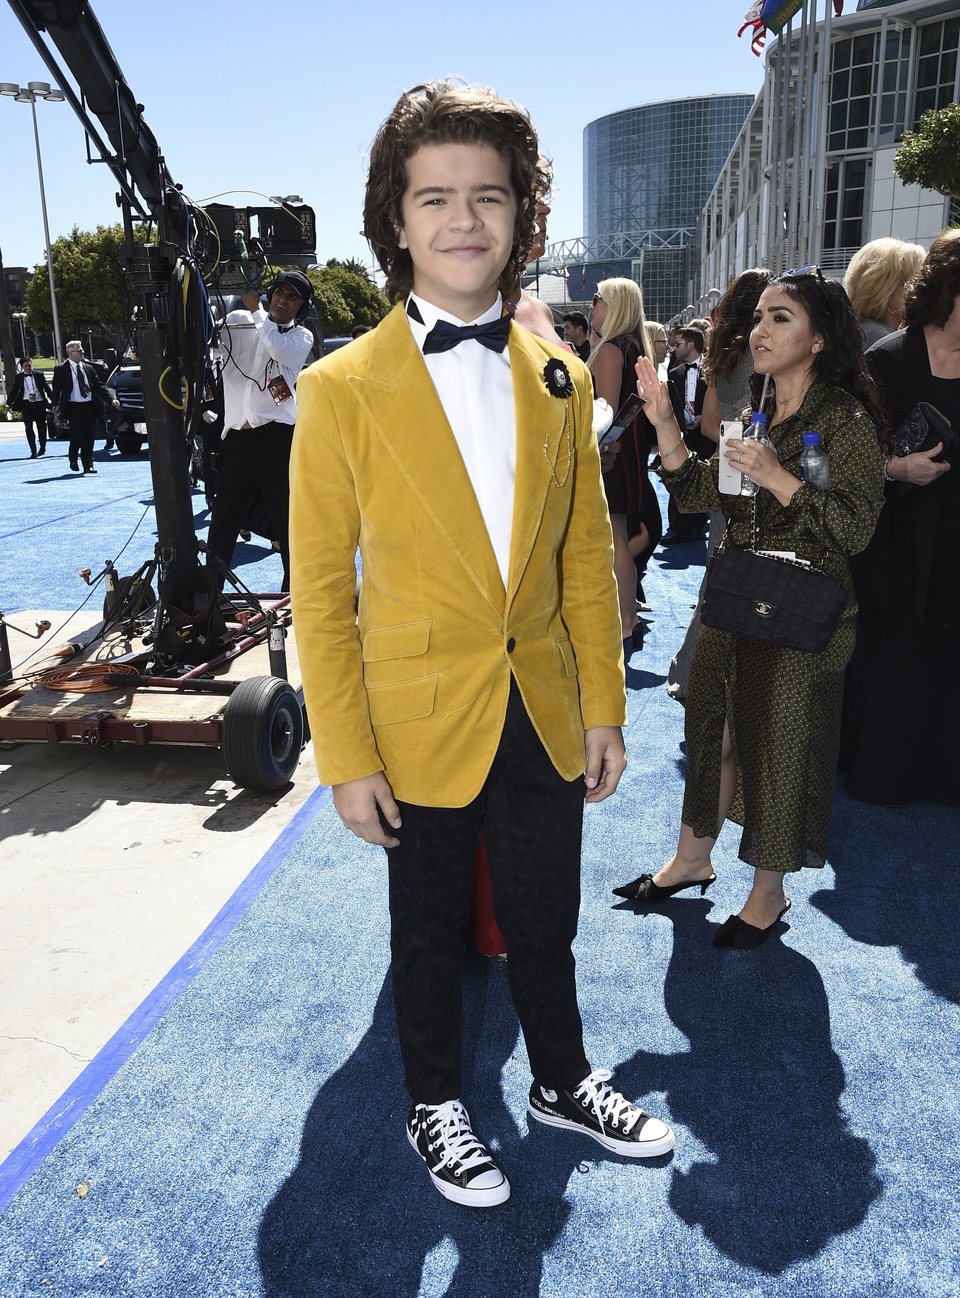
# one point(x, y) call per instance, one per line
point(75, 353)
point(26, 366)
point(574, 333)
point(540, 238)
point(458, 218)
point(685, 351)
point(285, 302)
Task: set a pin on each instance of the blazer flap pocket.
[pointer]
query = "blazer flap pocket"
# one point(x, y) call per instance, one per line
point(568, 657)
point(401, 701)
point(406, 640)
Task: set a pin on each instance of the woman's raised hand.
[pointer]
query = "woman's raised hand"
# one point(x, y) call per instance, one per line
point(657, 404)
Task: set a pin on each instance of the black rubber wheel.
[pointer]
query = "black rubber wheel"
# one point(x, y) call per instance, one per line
point(262, 734)
point(129, 443)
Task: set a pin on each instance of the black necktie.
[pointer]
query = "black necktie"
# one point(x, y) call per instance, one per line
point(444, 335)
point(82, 383)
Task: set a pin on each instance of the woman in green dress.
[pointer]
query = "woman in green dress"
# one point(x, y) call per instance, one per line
point(762, 722)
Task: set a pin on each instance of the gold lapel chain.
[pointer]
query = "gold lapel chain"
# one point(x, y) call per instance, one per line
point(566, 438)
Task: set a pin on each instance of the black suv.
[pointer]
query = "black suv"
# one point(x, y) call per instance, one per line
point(127, 426)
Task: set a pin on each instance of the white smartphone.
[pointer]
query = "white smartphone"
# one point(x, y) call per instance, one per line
point(731, 479)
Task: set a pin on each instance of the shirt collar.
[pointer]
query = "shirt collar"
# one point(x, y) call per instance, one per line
point(430, 314)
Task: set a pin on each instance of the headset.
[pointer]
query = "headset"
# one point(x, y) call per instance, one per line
point(305, 304)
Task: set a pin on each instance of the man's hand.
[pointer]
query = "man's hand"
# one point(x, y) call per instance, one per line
point(250, 300)
point(606, 761)
point(357, 803)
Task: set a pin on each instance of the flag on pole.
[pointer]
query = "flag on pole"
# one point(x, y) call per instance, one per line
point(773, 16)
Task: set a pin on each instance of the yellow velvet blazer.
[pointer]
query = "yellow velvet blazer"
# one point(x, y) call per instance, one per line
point(416, 682)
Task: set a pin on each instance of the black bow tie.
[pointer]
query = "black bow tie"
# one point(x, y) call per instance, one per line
point(444, 335)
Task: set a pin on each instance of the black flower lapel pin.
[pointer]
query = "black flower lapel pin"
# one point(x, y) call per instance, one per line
point(557, 379)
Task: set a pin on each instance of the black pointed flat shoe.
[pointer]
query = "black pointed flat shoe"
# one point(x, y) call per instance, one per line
point(645, 890)
point(737, 935)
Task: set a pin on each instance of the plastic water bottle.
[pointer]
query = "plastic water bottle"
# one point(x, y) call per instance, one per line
point(814, 464)
point(757, 432)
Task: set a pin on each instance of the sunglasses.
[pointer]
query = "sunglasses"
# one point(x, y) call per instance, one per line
point(596, 298)
point(799, 272)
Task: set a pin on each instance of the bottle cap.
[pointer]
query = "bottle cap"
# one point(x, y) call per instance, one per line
point(759, 417)
point(811, 439)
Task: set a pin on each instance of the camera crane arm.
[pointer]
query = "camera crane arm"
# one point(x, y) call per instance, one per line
point(147, 193)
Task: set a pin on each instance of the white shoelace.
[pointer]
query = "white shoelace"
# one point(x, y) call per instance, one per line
point(449, 1123)
point(609, 1106)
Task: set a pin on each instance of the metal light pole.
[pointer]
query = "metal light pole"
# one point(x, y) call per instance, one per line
point(29, 94)
point(20, 316)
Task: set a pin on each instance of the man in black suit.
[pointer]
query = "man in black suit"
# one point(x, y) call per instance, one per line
point(687, 390)
point(79, 395)
point(31, 396)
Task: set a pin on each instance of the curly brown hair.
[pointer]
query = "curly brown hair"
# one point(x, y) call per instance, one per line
point(931, 296)
point(446, 112)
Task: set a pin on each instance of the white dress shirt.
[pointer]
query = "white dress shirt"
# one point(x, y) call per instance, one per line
point(254, 352)
point(30, 390)
point(475, 388)
point(75, 393)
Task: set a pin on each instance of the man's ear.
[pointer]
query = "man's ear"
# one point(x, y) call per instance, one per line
point(401, 236)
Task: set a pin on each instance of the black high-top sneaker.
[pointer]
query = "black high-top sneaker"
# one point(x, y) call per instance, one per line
point(459, 1164)
point(601, 1112)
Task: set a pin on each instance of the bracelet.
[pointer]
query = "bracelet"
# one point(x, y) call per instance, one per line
point(886, 470)
point(665, 455)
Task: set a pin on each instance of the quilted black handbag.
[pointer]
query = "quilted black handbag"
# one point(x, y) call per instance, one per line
point(777, 600)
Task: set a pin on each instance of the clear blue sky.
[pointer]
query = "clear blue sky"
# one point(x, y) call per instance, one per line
point(236, 101)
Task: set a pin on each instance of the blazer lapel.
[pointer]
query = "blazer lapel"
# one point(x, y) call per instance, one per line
point(545, 441)
point(398, 395)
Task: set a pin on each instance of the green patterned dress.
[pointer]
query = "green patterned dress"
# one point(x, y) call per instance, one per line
point(783, 705)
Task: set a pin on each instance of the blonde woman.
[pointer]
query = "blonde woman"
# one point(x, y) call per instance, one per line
point(876, 281)
point(619, 323)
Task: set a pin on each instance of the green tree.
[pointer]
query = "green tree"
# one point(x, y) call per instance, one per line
point(332, 310)
point(365, 303)
point(92, 289)
point(930, 155)
point(352, 265)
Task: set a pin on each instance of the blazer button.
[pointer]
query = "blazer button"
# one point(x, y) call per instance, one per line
point(511, 645)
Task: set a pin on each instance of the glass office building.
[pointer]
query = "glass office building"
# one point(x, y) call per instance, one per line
point(647, 174)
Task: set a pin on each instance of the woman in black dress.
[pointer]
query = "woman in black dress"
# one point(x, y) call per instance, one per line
point(619, 322)
point(902, 706)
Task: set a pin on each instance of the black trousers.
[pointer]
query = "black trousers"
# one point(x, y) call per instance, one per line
point(35, 417)
point(532, 821)
point(83, 427)
point(253, 482)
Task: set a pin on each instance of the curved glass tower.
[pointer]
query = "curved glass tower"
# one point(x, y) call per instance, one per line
point(648, 171)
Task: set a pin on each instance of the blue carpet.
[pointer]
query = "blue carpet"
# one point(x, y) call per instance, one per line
point(253, 1142)
point(54, 522)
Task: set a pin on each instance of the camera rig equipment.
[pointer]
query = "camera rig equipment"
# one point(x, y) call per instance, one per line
point(190, 629)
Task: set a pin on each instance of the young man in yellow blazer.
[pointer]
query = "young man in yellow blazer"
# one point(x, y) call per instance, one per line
point(481, 683)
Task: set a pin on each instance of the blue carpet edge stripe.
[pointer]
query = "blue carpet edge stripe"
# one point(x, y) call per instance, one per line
point(20, 531)
point(21, 1163)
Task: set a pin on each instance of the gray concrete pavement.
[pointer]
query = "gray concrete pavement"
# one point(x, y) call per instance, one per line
point(112, 863)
